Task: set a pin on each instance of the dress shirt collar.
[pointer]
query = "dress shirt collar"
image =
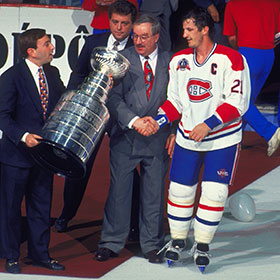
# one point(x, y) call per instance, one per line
point(111, 40)
point(35, 74)
point(152, 59)
point(33, 68)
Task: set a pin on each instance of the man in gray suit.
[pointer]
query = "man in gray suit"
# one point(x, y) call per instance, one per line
point(128, 104)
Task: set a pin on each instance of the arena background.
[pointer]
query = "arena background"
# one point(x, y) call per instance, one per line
point(67, 27)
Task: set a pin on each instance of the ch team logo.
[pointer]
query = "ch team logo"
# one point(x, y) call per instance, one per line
point(222, 173)
point(199, 90)
point(183, 64)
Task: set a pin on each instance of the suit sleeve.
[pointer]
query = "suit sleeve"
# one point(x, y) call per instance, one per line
point(117, 106)
point(8, 99)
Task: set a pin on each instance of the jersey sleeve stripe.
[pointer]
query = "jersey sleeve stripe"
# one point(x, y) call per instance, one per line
point(227, 112)
point(170, 111)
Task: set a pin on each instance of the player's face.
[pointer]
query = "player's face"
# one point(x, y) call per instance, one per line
point(191, 33)
point(43, 53)
point(144, 40)
point(120, 26)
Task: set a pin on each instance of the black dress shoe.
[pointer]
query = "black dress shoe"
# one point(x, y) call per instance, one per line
point(60, 224)
point(154, 257)
point(12, 266)
point(103, 254)
point(49, 264)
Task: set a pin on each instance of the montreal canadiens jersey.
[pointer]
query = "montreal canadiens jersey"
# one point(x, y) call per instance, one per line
point(216, 92)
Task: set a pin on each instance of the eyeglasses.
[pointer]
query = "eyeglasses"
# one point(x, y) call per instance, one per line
point(141, 37)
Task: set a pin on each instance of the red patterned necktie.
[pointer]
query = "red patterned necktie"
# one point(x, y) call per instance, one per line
point(149, 77)
point(43, 91)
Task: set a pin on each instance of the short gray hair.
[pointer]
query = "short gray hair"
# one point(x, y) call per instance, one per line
point(144, 18)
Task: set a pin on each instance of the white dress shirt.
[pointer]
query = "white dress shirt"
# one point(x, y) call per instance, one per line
point(35, 74)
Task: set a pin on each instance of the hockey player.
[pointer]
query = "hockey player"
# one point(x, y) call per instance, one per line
point(208, 91)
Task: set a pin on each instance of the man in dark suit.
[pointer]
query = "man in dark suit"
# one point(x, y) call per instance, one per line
point(122, 15)
point(29, 93)
point(129, 102)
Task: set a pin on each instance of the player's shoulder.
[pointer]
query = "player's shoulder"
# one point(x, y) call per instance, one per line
point(187, 51)
point(232, 55)
point(182, 54)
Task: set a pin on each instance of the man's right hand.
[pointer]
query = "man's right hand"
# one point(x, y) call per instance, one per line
point(31, 140)
point(146, 126)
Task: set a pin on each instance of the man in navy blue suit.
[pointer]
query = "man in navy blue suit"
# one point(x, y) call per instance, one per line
point(122, 15)
point(22, 115)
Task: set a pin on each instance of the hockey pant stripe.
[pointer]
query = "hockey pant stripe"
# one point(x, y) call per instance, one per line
point(178, 205)
point(179, 218)
point(206, 207)
point(208, 223)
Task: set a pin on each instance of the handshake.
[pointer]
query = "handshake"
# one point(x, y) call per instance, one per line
point(146, 126)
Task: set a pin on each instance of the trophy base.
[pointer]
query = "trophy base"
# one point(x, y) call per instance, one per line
point(58, 159)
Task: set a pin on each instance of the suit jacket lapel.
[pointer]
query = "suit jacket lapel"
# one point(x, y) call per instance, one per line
point(138, 79)
point(157, 84)
point(129, 42)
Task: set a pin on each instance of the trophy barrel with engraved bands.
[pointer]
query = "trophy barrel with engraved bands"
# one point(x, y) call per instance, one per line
point(73, 129)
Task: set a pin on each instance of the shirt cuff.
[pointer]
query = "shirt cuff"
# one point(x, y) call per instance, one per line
point(23, 138)
point(132, 122)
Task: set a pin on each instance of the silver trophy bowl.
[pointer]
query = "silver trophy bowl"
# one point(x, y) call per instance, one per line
point(74, 127)
point(110, 61)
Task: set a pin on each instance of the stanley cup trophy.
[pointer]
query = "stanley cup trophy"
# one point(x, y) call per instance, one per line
point(72, 131)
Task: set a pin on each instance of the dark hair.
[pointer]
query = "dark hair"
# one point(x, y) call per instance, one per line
point(28, 39)
point(144, 18)
point(201, 19)
point(123, 7)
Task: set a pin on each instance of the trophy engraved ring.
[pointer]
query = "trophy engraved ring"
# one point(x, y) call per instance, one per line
point(73, 129)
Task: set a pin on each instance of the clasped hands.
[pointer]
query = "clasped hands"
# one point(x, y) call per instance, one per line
point(146, 126)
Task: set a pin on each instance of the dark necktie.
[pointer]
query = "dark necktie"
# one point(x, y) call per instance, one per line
point(43, 92)
point(149, 77)
point(115, 45)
